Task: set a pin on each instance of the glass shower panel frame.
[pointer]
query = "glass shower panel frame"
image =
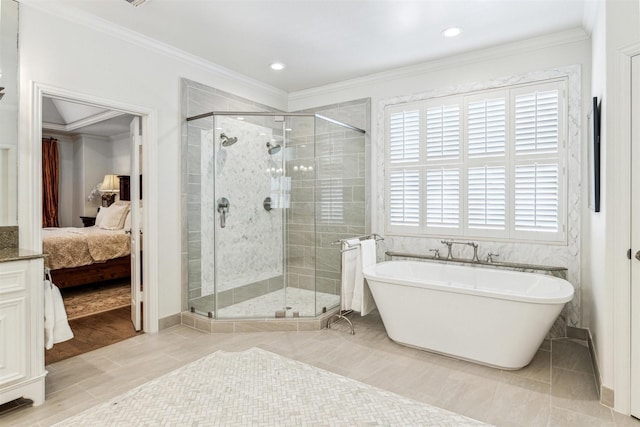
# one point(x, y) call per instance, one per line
point(200, 294)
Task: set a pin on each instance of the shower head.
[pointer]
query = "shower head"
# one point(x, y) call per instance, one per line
point(226, 141)
point(273, 148)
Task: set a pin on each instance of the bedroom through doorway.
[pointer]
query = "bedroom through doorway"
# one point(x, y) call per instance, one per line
point(92, 228)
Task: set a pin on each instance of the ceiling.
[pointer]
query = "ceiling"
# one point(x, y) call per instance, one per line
point(71, 118)
point(327, 41)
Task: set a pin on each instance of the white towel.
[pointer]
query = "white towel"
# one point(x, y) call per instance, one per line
point(362, 298)
point(48, 315)
point(349, 263)
point(56, 326)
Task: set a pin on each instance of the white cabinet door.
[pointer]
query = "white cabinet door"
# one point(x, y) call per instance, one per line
point(13, 321)
point(13, 340)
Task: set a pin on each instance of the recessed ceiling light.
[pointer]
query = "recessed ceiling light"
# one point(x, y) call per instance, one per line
point(277, 66)
point(451, 32)
point(288, 129)
point(240, 118)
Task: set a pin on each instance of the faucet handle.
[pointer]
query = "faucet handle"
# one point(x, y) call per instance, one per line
point(490, 256)
point(436, 253)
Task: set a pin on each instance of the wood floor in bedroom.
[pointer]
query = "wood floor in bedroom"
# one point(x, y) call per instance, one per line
point(93, 331)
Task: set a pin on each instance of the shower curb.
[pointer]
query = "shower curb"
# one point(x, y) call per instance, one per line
point(212, 326)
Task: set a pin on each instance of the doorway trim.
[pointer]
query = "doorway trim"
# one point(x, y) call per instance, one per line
point(30, 183)
point(620, 222)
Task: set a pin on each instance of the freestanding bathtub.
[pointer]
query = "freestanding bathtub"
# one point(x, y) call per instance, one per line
point(486, 315)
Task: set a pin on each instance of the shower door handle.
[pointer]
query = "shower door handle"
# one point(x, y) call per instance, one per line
point(223, 209)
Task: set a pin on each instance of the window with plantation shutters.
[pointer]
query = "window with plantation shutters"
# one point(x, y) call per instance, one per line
point(537, 122)
point(404, 137)
point(487, 198)
point(486, 127)
point(442, 198)
point(404, 197)
point(443, 131)
point(536, 197)
point(487, 164)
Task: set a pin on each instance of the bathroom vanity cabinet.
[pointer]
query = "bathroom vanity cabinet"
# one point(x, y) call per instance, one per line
point(22, 370)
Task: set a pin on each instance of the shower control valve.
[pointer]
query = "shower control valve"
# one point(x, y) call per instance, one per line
point(223, 209)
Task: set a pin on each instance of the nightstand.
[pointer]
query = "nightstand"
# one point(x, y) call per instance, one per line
point(88, 221)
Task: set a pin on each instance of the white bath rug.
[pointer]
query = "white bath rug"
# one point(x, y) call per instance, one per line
point(259, 388)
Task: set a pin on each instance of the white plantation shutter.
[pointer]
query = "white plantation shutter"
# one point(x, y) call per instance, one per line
point(486, 199)
point(537, 122)
point(404, 137)
point(536, 197)
point(404, 197)
point(486, 127)
point(443, 198)
point(487, 164)
point(443, 131)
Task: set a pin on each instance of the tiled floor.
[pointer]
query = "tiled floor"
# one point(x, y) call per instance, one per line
point(557, 389)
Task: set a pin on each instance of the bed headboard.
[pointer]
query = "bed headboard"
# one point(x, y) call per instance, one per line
point(125, 187)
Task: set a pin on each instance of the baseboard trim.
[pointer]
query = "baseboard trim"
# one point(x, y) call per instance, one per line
point(605, 394)
point(169, 321)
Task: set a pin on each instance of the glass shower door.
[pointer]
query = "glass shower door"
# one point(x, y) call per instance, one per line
point(247, 219)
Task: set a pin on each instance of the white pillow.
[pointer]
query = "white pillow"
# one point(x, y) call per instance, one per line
point(101, 213)
point(113, 217)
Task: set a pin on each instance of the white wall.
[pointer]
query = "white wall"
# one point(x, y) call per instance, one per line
point(121, 154)
point(594, 272)
point(66, 54)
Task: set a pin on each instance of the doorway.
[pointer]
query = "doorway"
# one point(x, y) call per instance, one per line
point(98, 160)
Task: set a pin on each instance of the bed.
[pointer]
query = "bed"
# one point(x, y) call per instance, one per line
point(79, 256)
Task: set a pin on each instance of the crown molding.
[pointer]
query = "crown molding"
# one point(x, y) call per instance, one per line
point(87, 121)
point(98, 24)
point(546, 41)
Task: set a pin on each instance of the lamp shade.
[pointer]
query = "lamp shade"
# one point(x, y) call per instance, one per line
point(111, 184)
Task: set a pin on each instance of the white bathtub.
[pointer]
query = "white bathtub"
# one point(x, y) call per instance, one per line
point(490, 316)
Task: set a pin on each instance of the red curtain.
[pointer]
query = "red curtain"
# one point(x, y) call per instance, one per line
point(50, 182)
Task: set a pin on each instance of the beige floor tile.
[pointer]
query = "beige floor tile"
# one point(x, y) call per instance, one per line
point(576, 391)
point(468, 395)
point(563, 395)
point(572, 355)
point(625, 420)
point(566, 418)
point(538, 370)
point(520, 401)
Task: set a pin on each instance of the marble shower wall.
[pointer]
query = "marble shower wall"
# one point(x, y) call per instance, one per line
point(560, 255)
point(249, 247)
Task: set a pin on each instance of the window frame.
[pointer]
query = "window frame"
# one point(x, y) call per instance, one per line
point(510, 160)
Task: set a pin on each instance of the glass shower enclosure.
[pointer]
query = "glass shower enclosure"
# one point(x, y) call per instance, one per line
point(268, 194)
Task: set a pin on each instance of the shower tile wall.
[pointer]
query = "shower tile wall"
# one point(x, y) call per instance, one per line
point(249, 245)
point(340, 198)
point(198, 99)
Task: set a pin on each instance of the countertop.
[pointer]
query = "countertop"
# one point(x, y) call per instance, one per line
point(17, 254)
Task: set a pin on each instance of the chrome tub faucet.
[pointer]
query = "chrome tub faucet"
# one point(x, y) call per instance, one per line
point(449, 243)
point(474, 245)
